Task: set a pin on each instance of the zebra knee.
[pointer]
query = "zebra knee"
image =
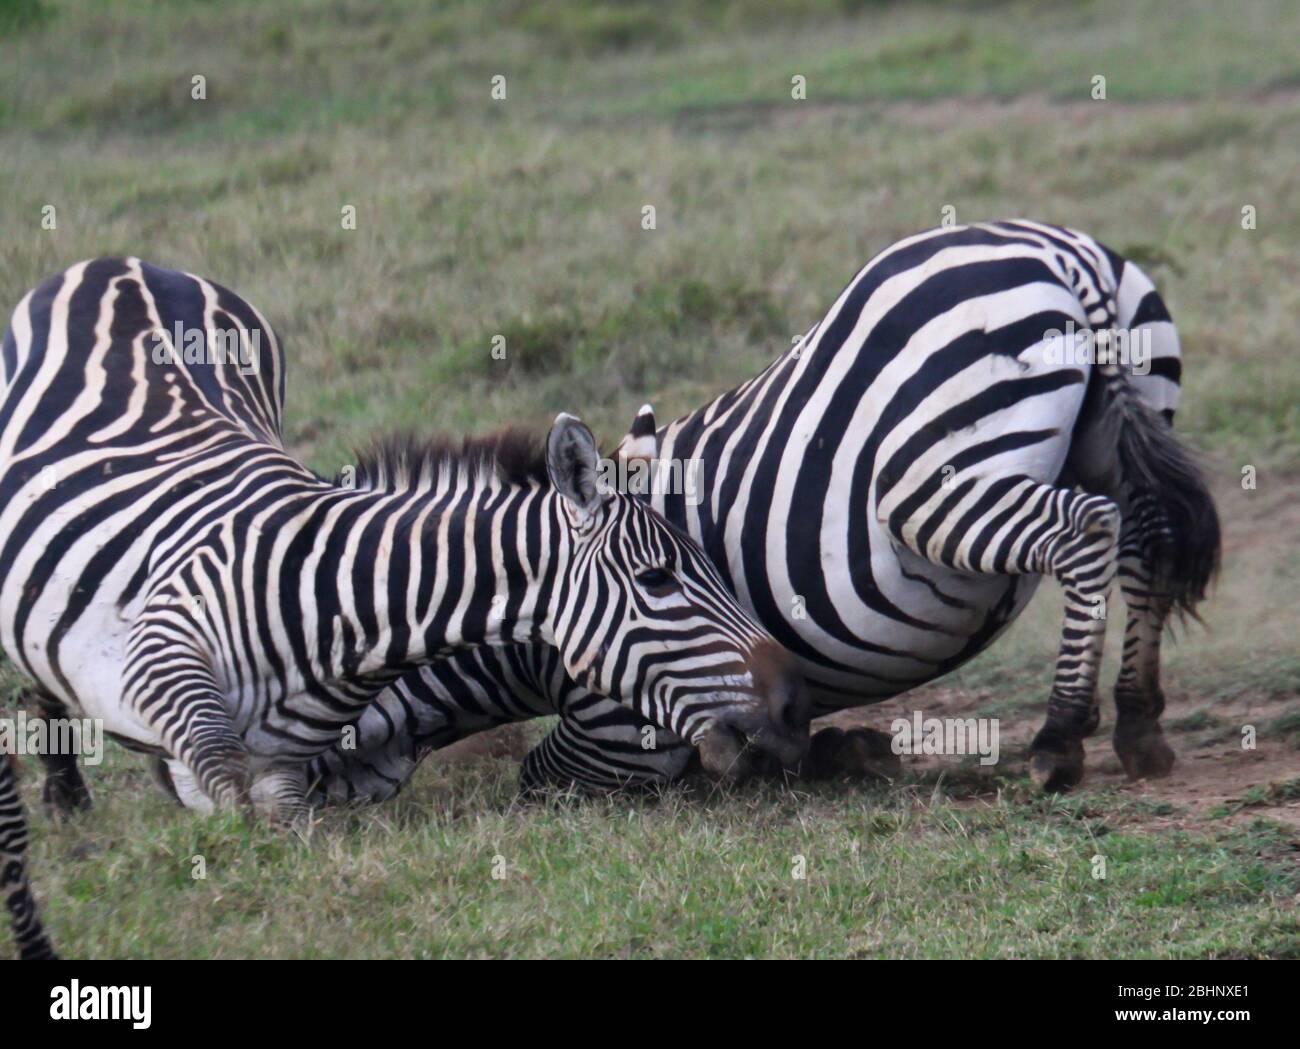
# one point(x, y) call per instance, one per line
point(541, 774)
point(538, 779)
point(212, 763)
point(533, 781)
point(1103, 519)
point(281, 795)
point(1093, 533)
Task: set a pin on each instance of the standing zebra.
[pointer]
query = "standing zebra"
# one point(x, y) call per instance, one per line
point(885, 497)
point(167, 567)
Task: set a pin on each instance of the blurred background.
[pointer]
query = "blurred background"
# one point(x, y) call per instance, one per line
point(522, 217)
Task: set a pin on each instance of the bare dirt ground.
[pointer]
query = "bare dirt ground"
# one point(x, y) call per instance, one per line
point(507, 741)
point(979, 111)
point(1215, 778)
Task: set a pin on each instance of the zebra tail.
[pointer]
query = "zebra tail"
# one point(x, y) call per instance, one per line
point(1180, 534)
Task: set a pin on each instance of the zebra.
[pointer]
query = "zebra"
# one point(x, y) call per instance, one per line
point(168, 567)
point(29, 934)
point(885, 497)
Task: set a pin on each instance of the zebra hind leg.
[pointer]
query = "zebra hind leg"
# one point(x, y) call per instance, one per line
point(168, 684)
point(1018, 526)
point(1083, 559)
point(1139, 701)
point(14, 886)
point(280, 794)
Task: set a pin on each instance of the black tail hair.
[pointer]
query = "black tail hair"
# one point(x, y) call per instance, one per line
point(1181, 539)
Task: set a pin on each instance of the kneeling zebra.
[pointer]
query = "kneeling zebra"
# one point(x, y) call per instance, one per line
point(167, 567)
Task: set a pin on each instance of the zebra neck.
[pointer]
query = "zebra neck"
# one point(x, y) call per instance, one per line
point(476, 569)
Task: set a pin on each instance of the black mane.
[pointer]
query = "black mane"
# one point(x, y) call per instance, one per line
point(403, 461)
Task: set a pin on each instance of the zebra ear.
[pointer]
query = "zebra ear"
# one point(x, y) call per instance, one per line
point(573, 460)
point(639, 442)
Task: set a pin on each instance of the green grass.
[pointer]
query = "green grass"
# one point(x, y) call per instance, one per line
point(887, 873)
point(522, 218)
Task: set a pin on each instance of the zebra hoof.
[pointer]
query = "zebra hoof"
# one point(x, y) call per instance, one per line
point(65, 798)
point(826, 751)
point(38, 950)
point(1143, 751)
point(1059, 769)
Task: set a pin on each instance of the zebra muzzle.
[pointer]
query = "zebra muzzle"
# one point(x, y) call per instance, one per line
point(771, 726)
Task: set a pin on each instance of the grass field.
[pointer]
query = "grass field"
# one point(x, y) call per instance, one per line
point(522, 217)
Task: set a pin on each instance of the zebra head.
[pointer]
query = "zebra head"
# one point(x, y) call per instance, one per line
point(643, 617)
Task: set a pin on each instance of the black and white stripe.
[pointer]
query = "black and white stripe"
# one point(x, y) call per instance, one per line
point(886, 496)
point(29, 934)
point(167, 567)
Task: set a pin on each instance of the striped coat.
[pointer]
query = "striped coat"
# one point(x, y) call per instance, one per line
point(167, 568)
point(981, 406)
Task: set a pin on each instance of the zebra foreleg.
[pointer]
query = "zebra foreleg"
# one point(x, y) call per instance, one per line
point(168, 684)
point(599, 747)
point(1017, 526)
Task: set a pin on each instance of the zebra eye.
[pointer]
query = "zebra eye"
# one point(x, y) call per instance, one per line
point(655, 578)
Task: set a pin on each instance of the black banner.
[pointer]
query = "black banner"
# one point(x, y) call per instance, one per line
point(140, 999)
